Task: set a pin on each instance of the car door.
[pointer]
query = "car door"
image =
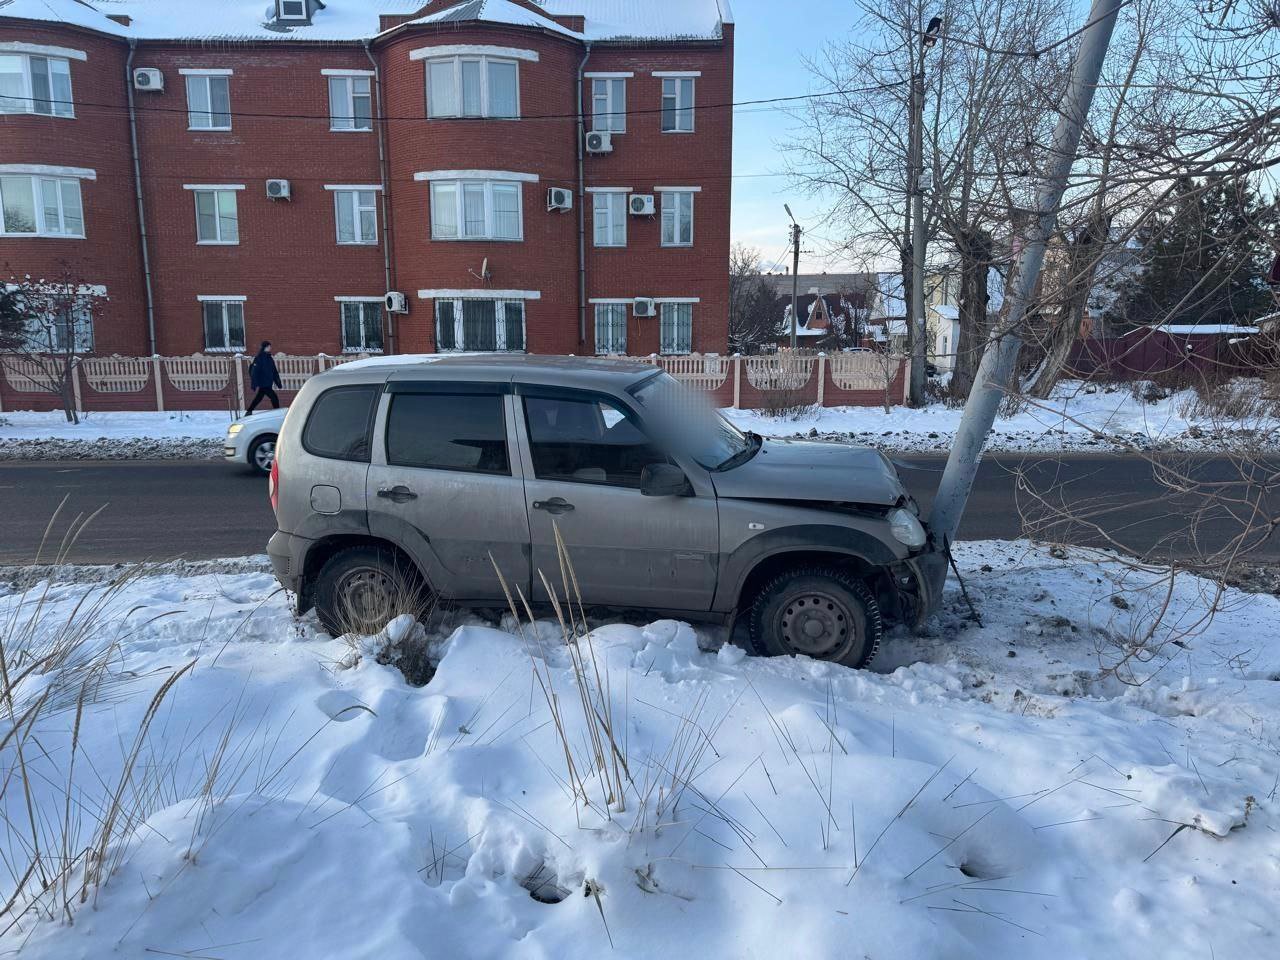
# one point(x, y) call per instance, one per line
point(582, 455)
point(446, 478)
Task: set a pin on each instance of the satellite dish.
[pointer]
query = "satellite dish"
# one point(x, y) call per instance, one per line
point(484, 269)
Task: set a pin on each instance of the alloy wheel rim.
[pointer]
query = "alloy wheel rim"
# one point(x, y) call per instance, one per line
point(264, 454)
point(817, 624)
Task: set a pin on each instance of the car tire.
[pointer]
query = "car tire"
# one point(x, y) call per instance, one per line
point(361, 589)
point(822, 612)
point(262, 451)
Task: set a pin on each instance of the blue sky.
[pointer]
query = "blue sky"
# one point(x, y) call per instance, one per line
point(770, 38)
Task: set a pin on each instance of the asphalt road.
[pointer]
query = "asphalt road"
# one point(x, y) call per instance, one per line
point(160, 510)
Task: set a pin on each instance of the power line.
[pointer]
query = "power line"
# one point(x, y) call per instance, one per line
point(253, 114)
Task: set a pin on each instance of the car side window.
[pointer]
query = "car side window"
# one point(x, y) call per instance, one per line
point(341, 422)
point(587, 440)
point(442, 431)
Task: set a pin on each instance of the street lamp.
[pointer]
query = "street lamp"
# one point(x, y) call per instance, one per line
point(795, 273)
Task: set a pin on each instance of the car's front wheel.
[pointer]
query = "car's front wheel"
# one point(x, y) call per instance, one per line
point(361, 589)
point(822, 612)
point(262, 453)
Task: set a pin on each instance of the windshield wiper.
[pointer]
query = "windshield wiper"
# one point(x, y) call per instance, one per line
point(743, 455)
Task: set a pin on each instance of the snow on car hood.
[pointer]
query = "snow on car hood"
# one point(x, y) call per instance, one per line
point(813, 470)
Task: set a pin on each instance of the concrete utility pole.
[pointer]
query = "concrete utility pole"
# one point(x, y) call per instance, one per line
point(1000, 356)
point(919, 325)
point(795, 274)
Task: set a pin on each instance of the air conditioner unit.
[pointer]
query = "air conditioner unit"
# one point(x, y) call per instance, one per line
point(558, 198)
point(641, 205)
point(148, 78)
point(396, 302)
point(278, 189)
point(645, 307)
point(599, 142)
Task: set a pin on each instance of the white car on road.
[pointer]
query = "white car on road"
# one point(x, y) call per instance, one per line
point(252, 440)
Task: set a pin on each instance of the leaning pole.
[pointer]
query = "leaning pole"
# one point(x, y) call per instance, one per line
point(1001, 353)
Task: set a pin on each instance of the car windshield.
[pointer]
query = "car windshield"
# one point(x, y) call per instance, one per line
point(685, 416)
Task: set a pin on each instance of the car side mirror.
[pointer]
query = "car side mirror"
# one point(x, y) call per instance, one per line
point(663, 480)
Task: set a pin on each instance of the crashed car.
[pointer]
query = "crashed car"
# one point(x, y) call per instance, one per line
point(423, 478)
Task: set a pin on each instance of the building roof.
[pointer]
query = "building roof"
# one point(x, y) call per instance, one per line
point(890, 299)
point(351, 20)
point(1201, 329)
point(780, 283)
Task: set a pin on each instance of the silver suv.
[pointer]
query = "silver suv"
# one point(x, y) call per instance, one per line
point(404, 481)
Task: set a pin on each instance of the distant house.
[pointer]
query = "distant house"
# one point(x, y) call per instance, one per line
point(833, 311)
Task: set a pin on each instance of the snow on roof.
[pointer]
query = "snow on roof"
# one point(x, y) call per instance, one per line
point(71, 12)
point(251, 20)
point(946, 311)
point(496, 11)
point(1192, 329)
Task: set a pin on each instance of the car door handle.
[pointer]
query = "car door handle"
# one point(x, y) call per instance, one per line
point(554, 505)
point(397, 494)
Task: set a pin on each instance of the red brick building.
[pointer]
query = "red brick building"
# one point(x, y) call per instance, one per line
point(541, 175)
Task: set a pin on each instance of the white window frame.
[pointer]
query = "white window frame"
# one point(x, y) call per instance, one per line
point(673, 196)
point(216, 189)
point(613, 118)
point(37, 182)
point(58, 107)
point(456, 60)
point(677, 81)
point(614, 208)
point(458, 188)
point(292, 17)
point(348, 80)
point(499, 319)
point(206, 77)
point(224, 302)
point(356, 207)
point(611, 311)
point(364, 303)
point(669, 348)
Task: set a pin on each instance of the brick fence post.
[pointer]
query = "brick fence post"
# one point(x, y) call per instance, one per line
point(159, 375)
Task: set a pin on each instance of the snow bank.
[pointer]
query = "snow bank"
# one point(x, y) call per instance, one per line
point(985, 792)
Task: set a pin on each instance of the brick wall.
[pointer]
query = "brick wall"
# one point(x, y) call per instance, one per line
point(288, 264)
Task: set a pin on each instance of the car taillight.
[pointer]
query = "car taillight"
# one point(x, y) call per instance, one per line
point(273, 481)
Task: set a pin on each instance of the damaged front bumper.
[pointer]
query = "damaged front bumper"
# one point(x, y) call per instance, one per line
point(918, 583)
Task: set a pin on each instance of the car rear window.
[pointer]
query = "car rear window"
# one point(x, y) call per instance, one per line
point(341, 422)
point(444, 431)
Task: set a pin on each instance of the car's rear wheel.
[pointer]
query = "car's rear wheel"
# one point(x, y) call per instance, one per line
point(262, 452)
point(361, 589)
point(822, 612)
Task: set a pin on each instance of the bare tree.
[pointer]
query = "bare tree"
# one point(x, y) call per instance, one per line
point(52, 330)
point(753, 314)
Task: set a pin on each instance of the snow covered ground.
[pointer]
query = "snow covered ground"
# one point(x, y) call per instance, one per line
point(986, 791)
point(1068, 422)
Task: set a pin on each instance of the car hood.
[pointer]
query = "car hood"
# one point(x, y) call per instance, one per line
point(269, 418)
point(813, 470)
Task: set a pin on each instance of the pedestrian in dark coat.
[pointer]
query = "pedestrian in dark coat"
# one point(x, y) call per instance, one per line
point(264, 377)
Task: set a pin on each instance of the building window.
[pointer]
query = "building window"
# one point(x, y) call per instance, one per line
point(468, 324)
point(677, 104)
point(677, 218)
point(362, 326)
point(476, 210)
point(357, 215)
point(350, 103)
point(223, 325)
point(208, 102)
point(292, 10)
point(216, 217)
point(69, 332)
point(41, 207)
point(609, 104)
point(35, 84)
point(611, 328)
point(473, 87)
point(610, 219)
point(675, 333)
